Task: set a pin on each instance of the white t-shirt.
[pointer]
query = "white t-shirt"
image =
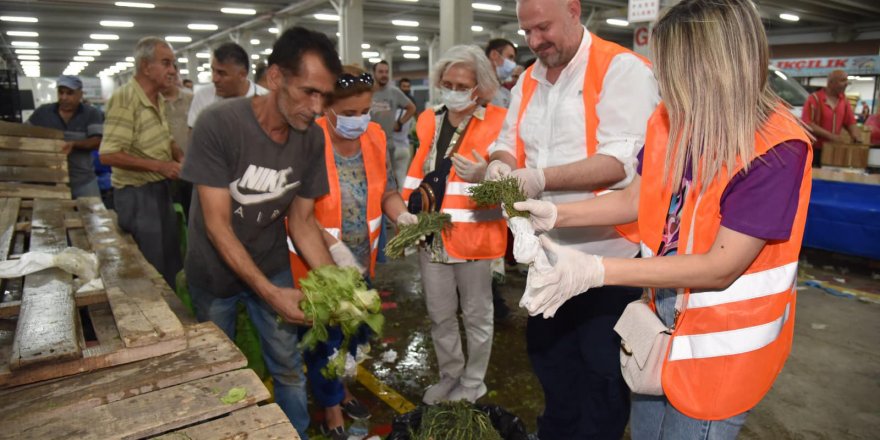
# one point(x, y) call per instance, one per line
point(205, 96)
point(553, 133)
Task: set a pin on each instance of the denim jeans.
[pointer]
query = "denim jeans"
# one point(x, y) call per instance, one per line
point(653, 417)
point(278, 340)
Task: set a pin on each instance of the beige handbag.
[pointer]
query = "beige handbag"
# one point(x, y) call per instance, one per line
point(643, 344)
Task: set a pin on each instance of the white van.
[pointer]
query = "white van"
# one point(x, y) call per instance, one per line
point(788, 89)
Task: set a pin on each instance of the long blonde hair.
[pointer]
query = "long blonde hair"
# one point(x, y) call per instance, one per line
point(711, 66)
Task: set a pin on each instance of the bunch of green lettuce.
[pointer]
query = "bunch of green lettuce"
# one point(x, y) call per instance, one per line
point(338, 296)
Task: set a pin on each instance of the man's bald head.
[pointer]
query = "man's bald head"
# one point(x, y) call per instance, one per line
point(837, 82)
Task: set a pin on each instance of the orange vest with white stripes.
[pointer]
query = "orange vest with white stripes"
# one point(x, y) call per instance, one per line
point(602, 52)
point(727, 346)
point(476, 233)
point(328, 208)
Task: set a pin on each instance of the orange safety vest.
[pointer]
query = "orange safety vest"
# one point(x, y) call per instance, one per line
point(476, 233)
point(727, 346)
point(602, 52)
point(328, 208)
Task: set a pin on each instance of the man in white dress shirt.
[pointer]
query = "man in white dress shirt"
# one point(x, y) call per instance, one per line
point(587, 102)
point(230, 65)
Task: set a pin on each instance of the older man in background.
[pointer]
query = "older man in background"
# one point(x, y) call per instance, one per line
point(144, 157)
point(827, 113)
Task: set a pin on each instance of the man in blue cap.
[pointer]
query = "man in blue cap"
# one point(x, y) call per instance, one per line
point(82, 125)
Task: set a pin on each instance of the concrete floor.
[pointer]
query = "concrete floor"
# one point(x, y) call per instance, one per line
point(829, 388)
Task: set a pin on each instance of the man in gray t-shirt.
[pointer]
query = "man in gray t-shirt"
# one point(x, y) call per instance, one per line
point(387, 99)
point(256, 162)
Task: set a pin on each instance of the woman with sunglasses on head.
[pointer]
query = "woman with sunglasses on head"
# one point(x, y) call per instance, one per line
point(361, 190)
point(721, 200)
point(454, 138)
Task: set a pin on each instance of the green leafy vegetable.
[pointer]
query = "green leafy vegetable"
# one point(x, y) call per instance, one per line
point(408, 235)
point(454, 420)
point(234, 395)
point(338, 296)
point(493, 192)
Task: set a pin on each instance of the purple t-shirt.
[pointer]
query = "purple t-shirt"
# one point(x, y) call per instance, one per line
point(761, 203)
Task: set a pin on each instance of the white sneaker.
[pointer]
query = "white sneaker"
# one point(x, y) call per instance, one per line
point(471, 394)
point(440, 390)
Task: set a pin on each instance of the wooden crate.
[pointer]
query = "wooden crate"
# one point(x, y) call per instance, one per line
point(32, 164)
point(130, 318)
point(845, 155)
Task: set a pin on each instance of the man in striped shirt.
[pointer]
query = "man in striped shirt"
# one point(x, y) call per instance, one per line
point(139, 147)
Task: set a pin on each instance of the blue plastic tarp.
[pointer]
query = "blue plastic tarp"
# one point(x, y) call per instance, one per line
point(844, 218)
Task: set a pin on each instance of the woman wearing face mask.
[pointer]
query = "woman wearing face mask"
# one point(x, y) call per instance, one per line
point(361, 190)
point(450, 135)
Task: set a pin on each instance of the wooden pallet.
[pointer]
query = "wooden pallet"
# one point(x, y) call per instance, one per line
point(31, 162)
point(130, 318)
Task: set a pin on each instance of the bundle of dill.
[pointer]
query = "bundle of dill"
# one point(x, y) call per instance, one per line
point(493, 192)
point(338, 296)
point(454, 420)
point(408, 235)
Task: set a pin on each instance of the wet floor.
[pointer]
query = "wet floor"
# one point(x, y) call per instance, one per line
point(830, 378)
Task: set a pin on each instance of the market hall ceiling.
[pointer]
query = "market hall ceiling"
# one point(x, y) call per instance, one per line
point(64, 26)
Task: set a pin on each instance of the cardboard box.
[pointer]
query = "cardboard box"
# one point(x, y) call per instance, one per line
point(845, 155)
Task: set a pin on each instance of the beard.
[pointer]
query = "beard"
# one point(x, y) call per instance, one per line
point(298, 123)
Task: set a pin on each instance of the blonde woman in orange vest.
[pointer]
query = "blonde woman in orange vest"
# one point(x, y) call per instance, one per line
point(721, 201)
point(362, 188)
point(454, 138)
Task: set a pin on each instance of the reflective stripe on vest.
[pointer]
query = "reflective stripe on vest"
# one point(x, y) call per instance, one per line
point(602, 52)
point(328, 208)
point(727, 346)
point(477, 233)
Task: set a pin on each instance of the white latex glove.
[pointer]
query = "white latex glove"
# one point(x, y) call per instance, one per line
point(343, 257)
point(525, 243)
point(496, 170)
point(406, 218)
point(557, 275)
point(542, 214)
point(531, 181)
point(468, 170)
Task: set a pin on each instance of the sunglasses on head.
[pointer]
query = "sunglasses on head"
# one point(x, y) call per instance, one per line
point(347, 80)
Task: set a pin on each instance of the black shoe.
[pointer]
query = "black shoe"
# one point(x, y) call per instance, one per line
point(355, 410)
point(337, 433)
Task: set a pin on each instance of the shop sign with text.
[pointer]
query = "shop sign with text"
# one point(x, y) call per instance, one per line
point(854, 65)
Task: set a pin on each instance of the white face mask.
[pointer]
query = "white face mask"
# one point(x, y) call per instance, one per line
point(505, 69)
point(455, 100)
point(351, 127)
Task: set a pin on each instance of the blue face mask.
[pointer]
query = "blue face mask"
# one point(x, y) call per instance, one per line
point(351, 127)
point(505, 69)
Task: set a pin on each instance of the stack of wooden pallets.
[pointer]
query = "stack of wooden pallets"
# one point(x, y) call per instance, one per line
point(31, 162)
point(126, 361)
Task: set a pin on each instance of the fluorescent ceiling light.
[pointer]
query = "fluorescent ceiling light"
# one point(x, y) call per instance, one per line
point(273, 30)
point(104, 36)
point(135, 5)
point(184, 71)
point(202, 26)
point(116, 23)
point(255, 56)
point(267, 51)
point(25, 44)
point(29, 57)
point(789, 17)
point(407, 38)
point(617, 22)
point(326, 17)
point(486, 7)
point(365, 45)
point(239, 11)
point(80, 58)
point(412, 56)
point(406, 23)
point(476, 28)
point(254, 42)
point(129, 59)
point(95, 46)
point(78, 63)
point(410, 48)
point(22, 34)
point(29, 63)
point(27, 51)
point(374, 60)
point(18, 19)
point(178, 38)
point(521, 32)
point(203, 55)
point(182, 60)
point(370, 54)
point(89, 53)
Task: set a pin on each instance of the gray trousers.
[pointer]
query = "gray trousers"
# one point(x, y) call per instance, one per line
point(146, 212)
point(474, 283)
